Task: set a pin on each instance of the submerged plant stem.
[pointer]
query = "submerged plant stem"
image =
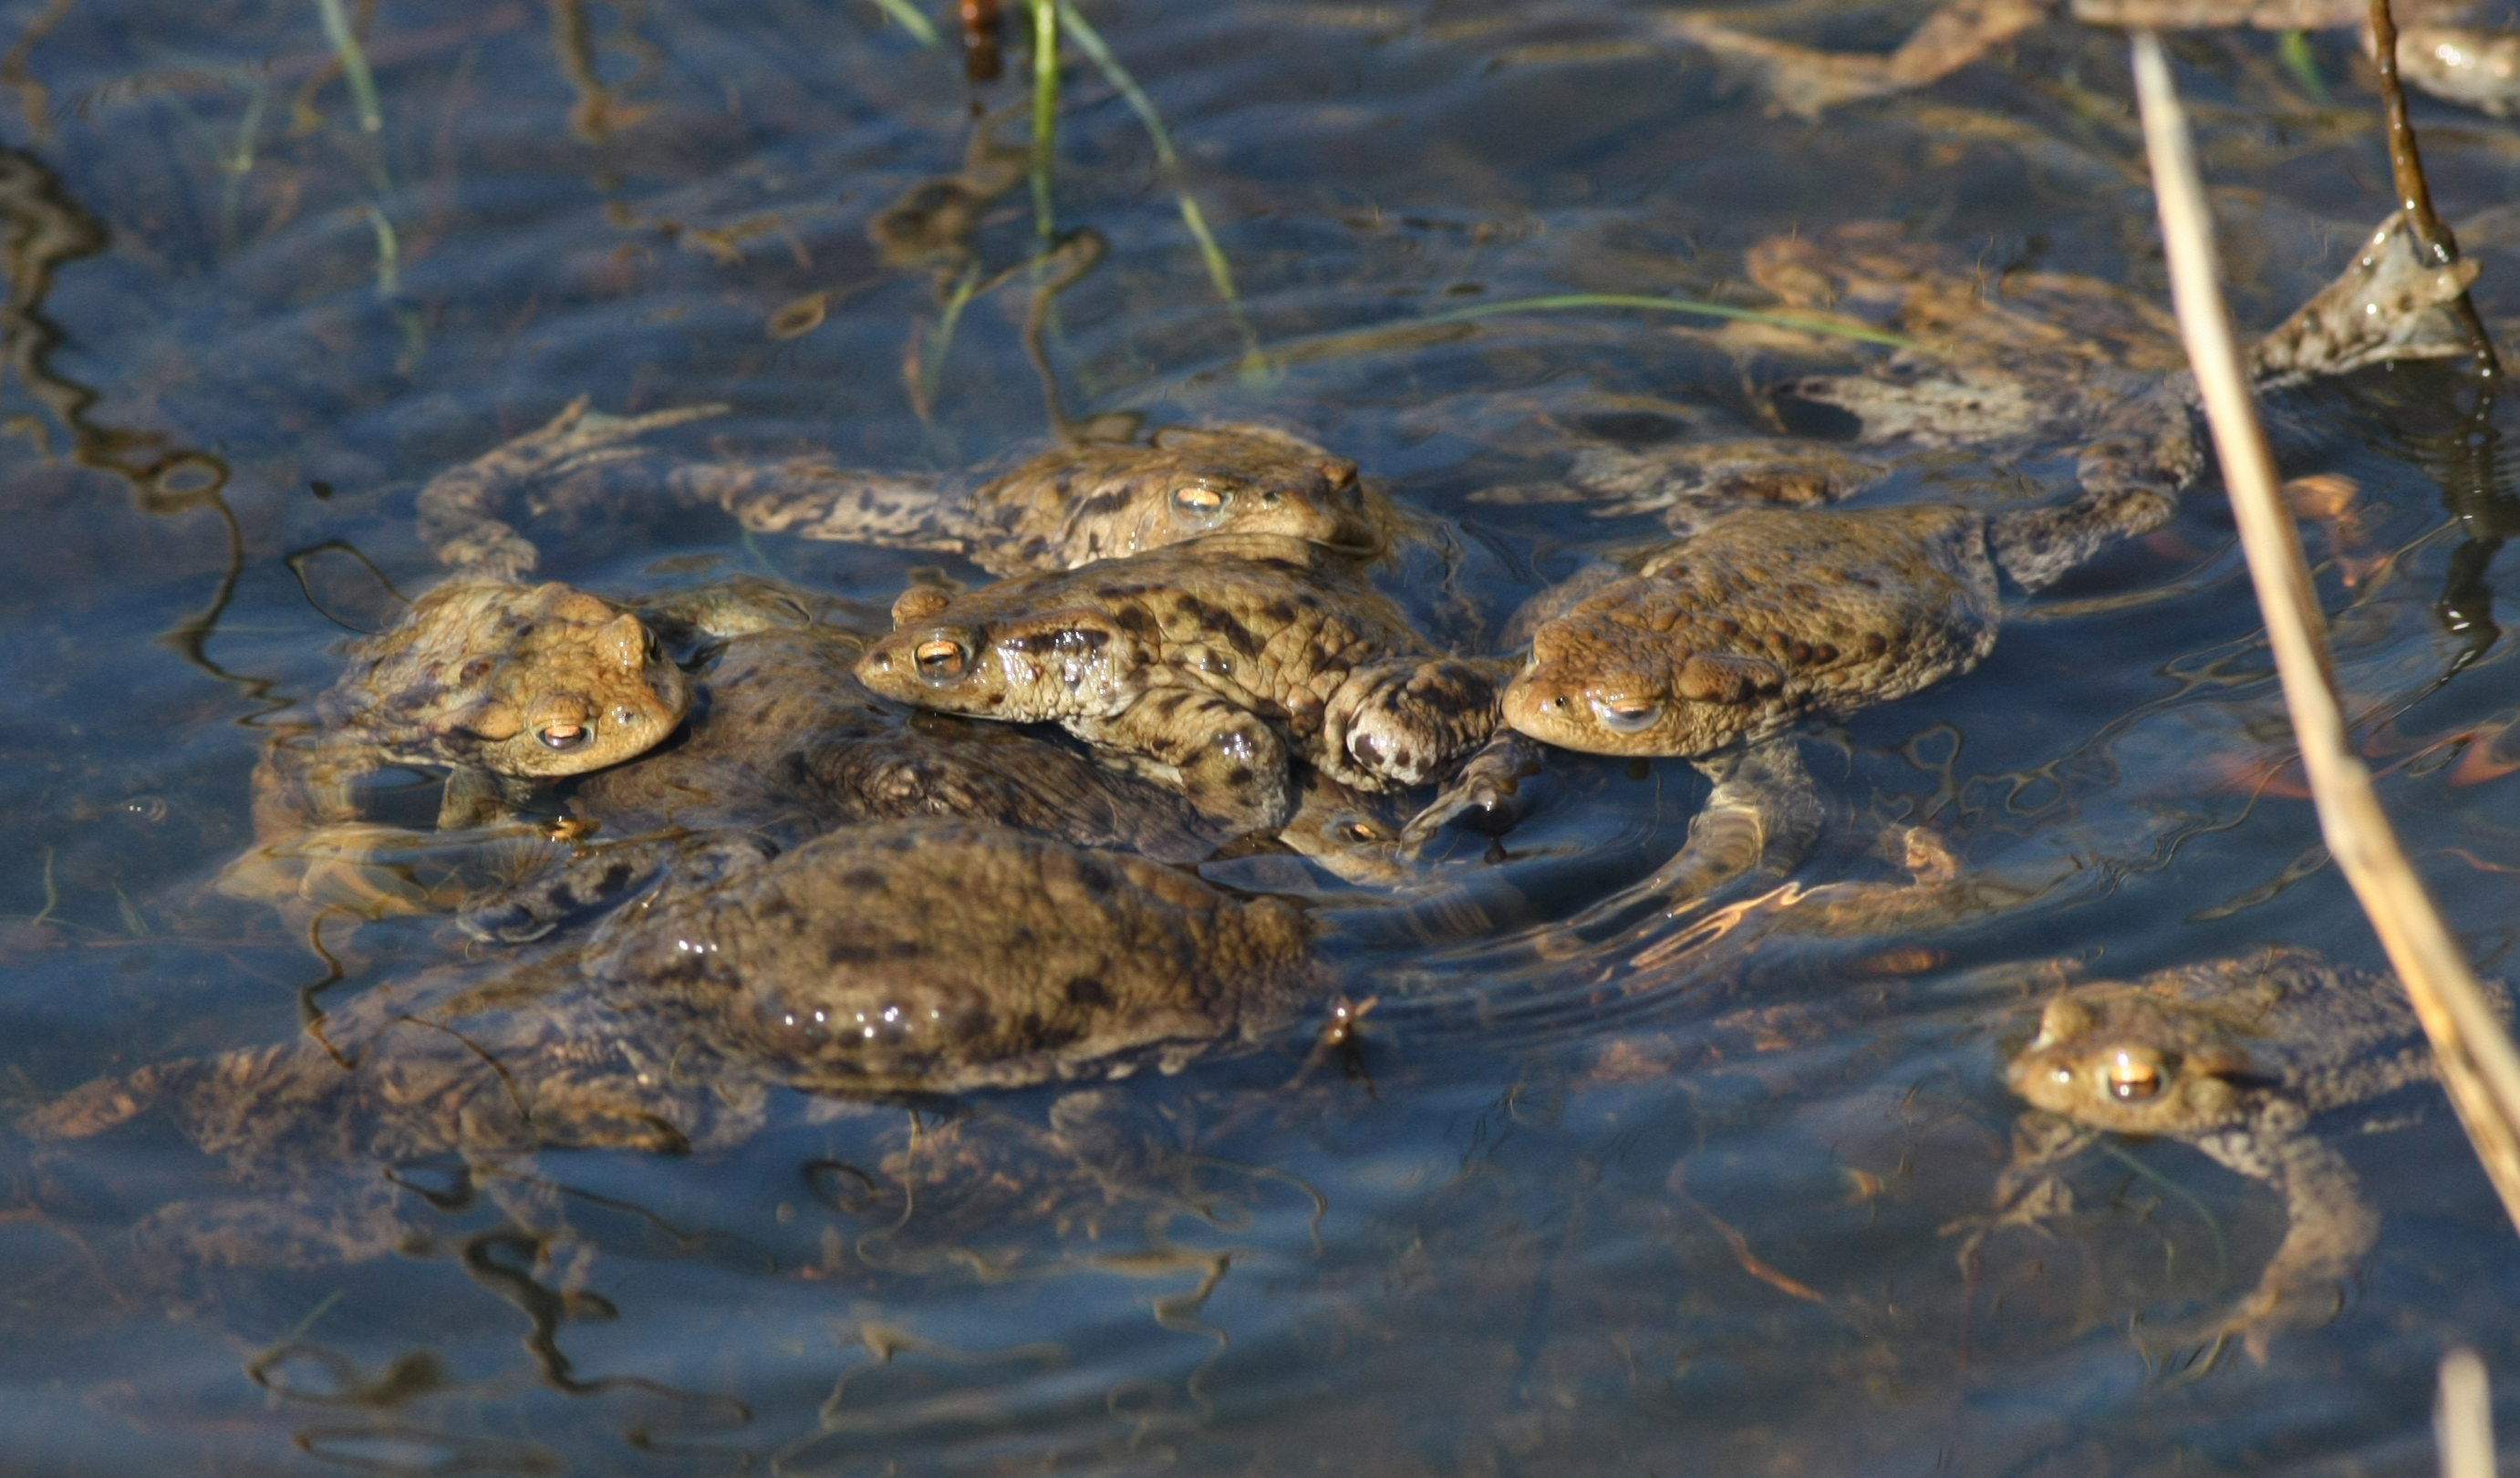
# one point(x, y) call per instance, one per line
point(388, 253)
point(1219, 271)
point(354, 65)
point(1559, 302)
point(907, 15)
point(1045, 111)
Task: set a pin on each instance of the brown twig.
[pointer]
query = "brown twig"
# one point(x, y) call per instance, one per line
point(2414, 193)
point(2478, 1065)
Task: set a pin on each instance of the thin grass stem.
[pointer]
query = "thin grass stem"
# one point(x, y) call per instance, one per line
point(1045, 112)
point(1561, 301)
point(354, 65)
point(1090, 41)
point(907, 15)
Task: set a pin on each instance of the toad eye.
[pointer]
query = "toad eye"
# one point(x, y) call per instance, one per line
point(1198, 501)
point(563, 735)
point(941, 659)
point(2132, 1075)
point(1360, 830)
point(1627, 715)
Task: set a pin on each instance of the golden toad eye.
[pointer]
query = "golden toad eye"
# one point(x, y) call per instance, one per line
point(1626, 715)
point(2133, 1076)
point(1359, 831)
point(563, 735)
point(1198, 500)
point(941, 659)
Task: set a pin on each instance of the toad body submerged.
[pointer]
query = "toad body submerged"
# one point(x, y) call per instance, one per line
point(504, 685)
point(2238, 1059)
point(1037, 507)
point(1762, 615)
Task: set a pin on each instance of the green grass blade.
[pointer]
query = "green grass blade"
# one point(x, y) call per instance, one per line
point(1090, 41)
point(906, 16)
point(354, 65)
point(2293, 50)
point(1045, 111)
point(1567, 301)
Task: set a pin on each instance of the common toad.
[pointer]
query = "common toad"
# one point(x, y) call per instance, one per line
point(915, 956)
point(1038, 508)
point(1062, 506)
point(1208, 665)
point(502, 684)
point(941, 956)
point(2019, 363)
point(2235, 1057)
point(1766, 615)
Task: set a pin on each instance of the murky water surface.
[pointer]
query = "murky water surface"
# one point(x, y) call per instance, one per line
point(1562, 1211)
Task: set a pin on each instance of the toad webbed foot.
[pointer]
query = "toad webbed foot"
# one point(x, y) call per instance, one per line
point(1225, 760)
point(1485, 794)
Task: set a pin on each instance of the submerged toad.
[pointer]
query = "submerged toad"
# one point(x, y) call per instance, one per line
point(1038, 508)
point(2234, 1057)
point(503, 685)
point(1207, 666)
point(1063, 506)
point(941, 956)
point(1765, 615)
point(917, 956)
point(2021, 364)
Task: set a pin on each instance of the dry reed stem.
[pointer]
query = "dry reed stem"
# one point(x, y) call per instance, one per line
point(2478, 1065)
point(2464, 1417)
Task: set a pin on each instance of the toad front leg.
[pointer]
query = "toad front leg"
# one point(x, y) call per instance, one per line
point(1404, 722)
point(1225, 760)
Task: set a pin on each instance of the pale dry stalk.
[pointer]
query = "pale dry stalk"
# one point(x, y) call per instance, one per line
point(2478, 1065)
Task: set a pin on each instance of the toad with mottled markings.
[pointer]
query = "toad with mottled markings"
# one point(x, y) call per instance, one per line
point(900, 957)
point(1208, 665)
point(1764, 616)
point(2237, 1058)
point(505, 686)
point(1062, 506)
point(1037, 507)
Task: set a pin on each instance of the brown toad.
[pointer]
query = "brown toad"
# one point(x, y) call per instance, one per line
point(915, 956)
point(503, 685)
point(944, 956)
point(2235, 1057)
point(2019, 363)
point(923, 957)
point(1766, 615)
point(1038, 508)
point(1207, 665)
point(1062, 506)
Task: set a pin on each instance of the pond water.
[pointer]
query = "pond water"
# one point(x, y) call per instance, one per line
point(1685, 1197)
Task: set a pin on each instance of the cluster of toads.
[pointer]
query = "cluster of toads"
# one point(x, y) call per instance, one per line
point(947, 852)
